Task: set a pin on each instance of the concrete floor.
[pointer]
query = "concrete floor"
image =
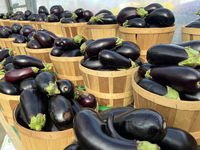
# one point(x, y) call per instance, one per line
point(2, 134)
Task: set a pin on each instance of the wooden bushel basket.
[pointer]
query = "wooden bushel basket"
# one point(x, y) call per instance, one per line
point(36, 24)
point(20, 48)
point(147, 37)
point(8, 103)
point(72, 29)
point(1, 23)
point(13, 22)
point(53, 27)
point(42, 54)
point(180, 114)
point(6, 22)
point(111, 88)
point(102, 31)
point(7, 43)
point(35, 140)
point(68, 68)
point(190, 34)
point(22, 23)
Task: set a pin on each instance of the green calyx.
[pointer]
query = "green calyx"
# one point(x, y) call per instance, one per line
point(52, 89)
point(76, 95)
point(147, 74)
point(38, 122)
point(10, 51)
point(198, 13)
point(118, 42)
point(193, 60)
point(78, 39)
point(2, 72)
point(133, 65)
point(125, 23)
point(47, 67)
point(74, 16)
point(2, 63)
point(171, 93)
point(35, 69)
point(145, 145)
point(93, 19)
point(142, 12)
point(98, 18)
point(82, 48)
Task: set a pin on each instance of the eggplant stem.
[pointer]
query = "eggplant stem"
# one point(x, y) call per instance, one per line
point(74, 16)
point(142, 12)
point(118, 42)
point(52, 89)
point(82, 48)
point(2, 63)
point(38, 122)
point(47, 67)
point(125, 23)
point(147, 74)
point(93, 19)
point(2, 72)
point(10, 51)
point(171, 93)
point(76, 95)
point(98, 18)
point(144, 145)
point(198, 13)
point(35, 69)
point(78, 39)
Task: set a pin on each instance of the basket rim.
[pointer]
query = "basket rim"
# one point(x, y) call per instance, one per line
point(18, 43)
point(10, 97)
point(41, 50)
point(65, 59)
point(7, 39)
point(109, 26)
point(73, 24)
point(186, 30)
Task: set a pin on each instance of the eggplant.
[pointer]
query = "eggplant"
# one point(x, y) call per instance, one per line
point(21, 18)
point(34, 44)
point(61, 112)
point(19, 13)
point(87, 100)
point(192, 44)
point(43, 10)
point(97, 136)
point(76, 107)
point(87, 14)
point(178, 139)
point(106, 19)
point(26, 30)
point(28, 83)
point(46, 83)
point(81, 20)
point(73, 147)
point(159, 88)
point(161, 16)
point(144, 68)
point(32, 17)
point(14, 35)
point(40, 17)
point(84, 45)
point(152, 25)
point(6, 61)
point(4, 33)
point(20, 39)
point(16, 28)
point(96, 46)
point(56, 10)
point(104, 12)
point(169, 54)
point(135, 22)
point(66, 88)
point(5, 53)
point(72, 53)
point(70, 15)
point(28, 61)
point(51, 18)
point(1, 15)
point(92, 63)
point(63, 14)
point(9, 66)
point(30, 36)
point(50, 126)
point(151, 7)
point(51, 34)
point(43, 38)
point(180, 78)
point(141, 124)
point(128, 51)
point(57, 51)
point(34, 106)
point(190, 96)
point(21, 119)
point(66, 43)
point(68, 20)
point(194, 24)
point(17, 75)
point(79, 12)
point(27, 13)
point(107, 69)
point(128, 13)
point(79, 39)
point(9, 88)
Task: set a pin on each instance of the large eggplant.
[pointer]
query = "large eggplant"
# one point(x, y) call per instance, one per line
point(72, 53)
point(34, 106)
point(61, 112)
point(9, 88)
point(66, 88)
point(169, 54)
point(50, 126)
point(4, 33)
point(151, 7)
point(43, 38)
point(178, 139)
point(84, 45)
point(141, 124)
point(190, 96)
point(34, 44)
point(192, 44)
point(56, 10)
point(57, 51)
point(91, 134)
point(96, 46)
point(46, 83)
point(20, 39)
point(26, 30)
point(27, 13)
point(51, 34)
point(135, 22)
point(106, 19)
point(87, 14)
point(76, 107)
point(79, 12)
point(180, 78)
point(28, 61)
point(51, 18)
point(16, 28)
point(92, 63)
point(156, 87)
point(28, 83)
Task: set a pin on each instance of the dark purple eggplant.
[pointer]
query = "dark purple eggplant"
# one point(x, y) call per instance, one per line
point(27, 13)
point(87, 100)
point(20, 74)
point(19, 13)
point(141, 124)
point(73, 147)
point(26, 30)
point(107, 69)
point(14, 35)
point(182, 79)
point(43, 10)
point(76, 107)
point(51, 34)
point(21, 18)
point(1, 15)
point(40, 17)
point(50, 126)
point(159, 88)
point(67, 43)
point(30, 36)
point(138, 62)
point(9, 66)
point(106, 19)
point(21, 119)
point(192, 44)
point(28, 83)
point(32, 17)
point(190, 96)
point(87, 14)
point(169, 54)
point(4, 33)
point(84, 45)
point(92, 63)
point(22, 61)
point(97, 136)
point(34, 106)
point(5, 53)
point(66, 88)
point(193, 24)
point(70, 15)
point(61, 112)
point(178, 139)
point(20, 39)
point(57, 51)
point(51, 18)
point(56, 10)
point(68, 20)
point(63, 14)
point(16, 28)
point(104, 12)
point(135, 22)
point(128, 13)
point(79, 12)
point(57, 41)
point(46, 83)
point(151, 7)
point(72, 53)
point(34, 44)
point(96, 46)
point(6, 61)
point(9, 88)
point(144, 68)
point(152, 25)
point(43, 38)
point(81, 20)
point(161, 16)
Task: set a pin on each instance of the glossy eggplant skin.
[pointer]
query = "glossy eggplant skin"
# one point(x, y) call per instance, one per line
point(28, 83)
point(87, 14)
point(44, 39)
point(20, 39)
point(5, 53)
point(107, 19)
point(66, 88)
point(30, 36)
point(182, 79)
point(135, 22)
point(141, 124)
point(144, 68)
point(16, 28)
point(56, 9)
point(128, 51)
point(4, 33)
point(34, 44)
point(107, 69)
point(43, 10)
point(66, 43)
point(84, 45)
point(72, 53)
point(68, 20)
point(108, 58)
point(51, 18)
point(21, 119)
point(9, 88)
point(161, 16)
point(192, 44)
point(151, 7)
point(190, 96)
point(178, 139)
point(51, 34)
point(8, 60)
point(104, 12)
point(61, 112)
point(76, 107)
point(79, 12)
point(26, 30)
point(194, 24)
point(115, 111)
point(9, 66)
point(92, 63)
point(73, 147)
point(57, 51)
point(50, 126)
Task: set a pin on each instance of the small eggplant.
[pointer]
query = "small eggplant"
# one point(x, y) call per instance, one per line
point(21, 119)
point(72, 53)
point(27, 13)
point(4, 33)
point(40, 17)
point(144, 68)
point(79, 12)
point(9, 66)
point(56, 10)
point(135, 22)
point(57, 51)
point(34, 44)
point(87, 14)
point(9, 88)
point(92, 63)
point(66, 88)
point(192, 44)
point(51, 18)
point(30, 36)
point(151, 7)
point(6, 61)
point(68, 20)
point(87, 100)
point(43, 10)
point(20, 39)
point(43, 38)
point(28, 83)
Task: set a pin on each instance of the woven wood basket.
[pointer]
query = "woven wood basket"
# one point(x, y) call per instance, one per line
point(20, 48)
point(53, 27)
point(102, 31)
point(111, 88)
point(12, 22)
point(6, 22)
point(190, 34)
point(36, 24)
point(1, 23)
point(22, 23)
point(35, 140)
point(7, 43)
point(147, 37)
point(180, 114)
point(72, 29)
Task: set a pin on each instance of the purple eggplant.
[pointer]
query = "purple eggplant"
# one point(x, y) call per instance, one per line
point(81, 20)
point(61, 112)
point(27, 13)
point(192, 44)
point(68, 20)
point(151, 7)
point(4, 33)
point(144, 68)
point(63, 14)
point(87, 100)
point(21, 18)
point(56, 10)
point(106, 19)
point(34, 44)
point(67, 43)
point(9, 66)
point(43, 10)
point(43, 38)
point(21, 119)
point(9, 88)
point(6, 61)
point(84, 45)
point(30, 36)
point(66, 88)
point(135, 22)
point(72, 53)
point(32, 17)
point(50, 126)
point(22, 61)
point(92, 63)
point(70, 15)
point(76, 107)
point(28, 83)
point(34, 106)
point(20, 39)
point(40, 17)
point(26, 30)
point(104, 12)
point(5, 53)
point(193, 24)
point(51, 18)
point(16, 28)
point(87, 14)
point(105, 68)
point(73, 147)
point(14, 35)
point(185, 96)
point(79, 12)
point(51, 34)
point(57, 51)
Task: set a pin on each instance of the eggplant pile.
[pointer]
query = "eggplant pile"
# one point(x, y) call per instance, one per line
point(6, 57)
point(110, 54)
point(153, 15)
point(21, 16)
point(172, 71)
